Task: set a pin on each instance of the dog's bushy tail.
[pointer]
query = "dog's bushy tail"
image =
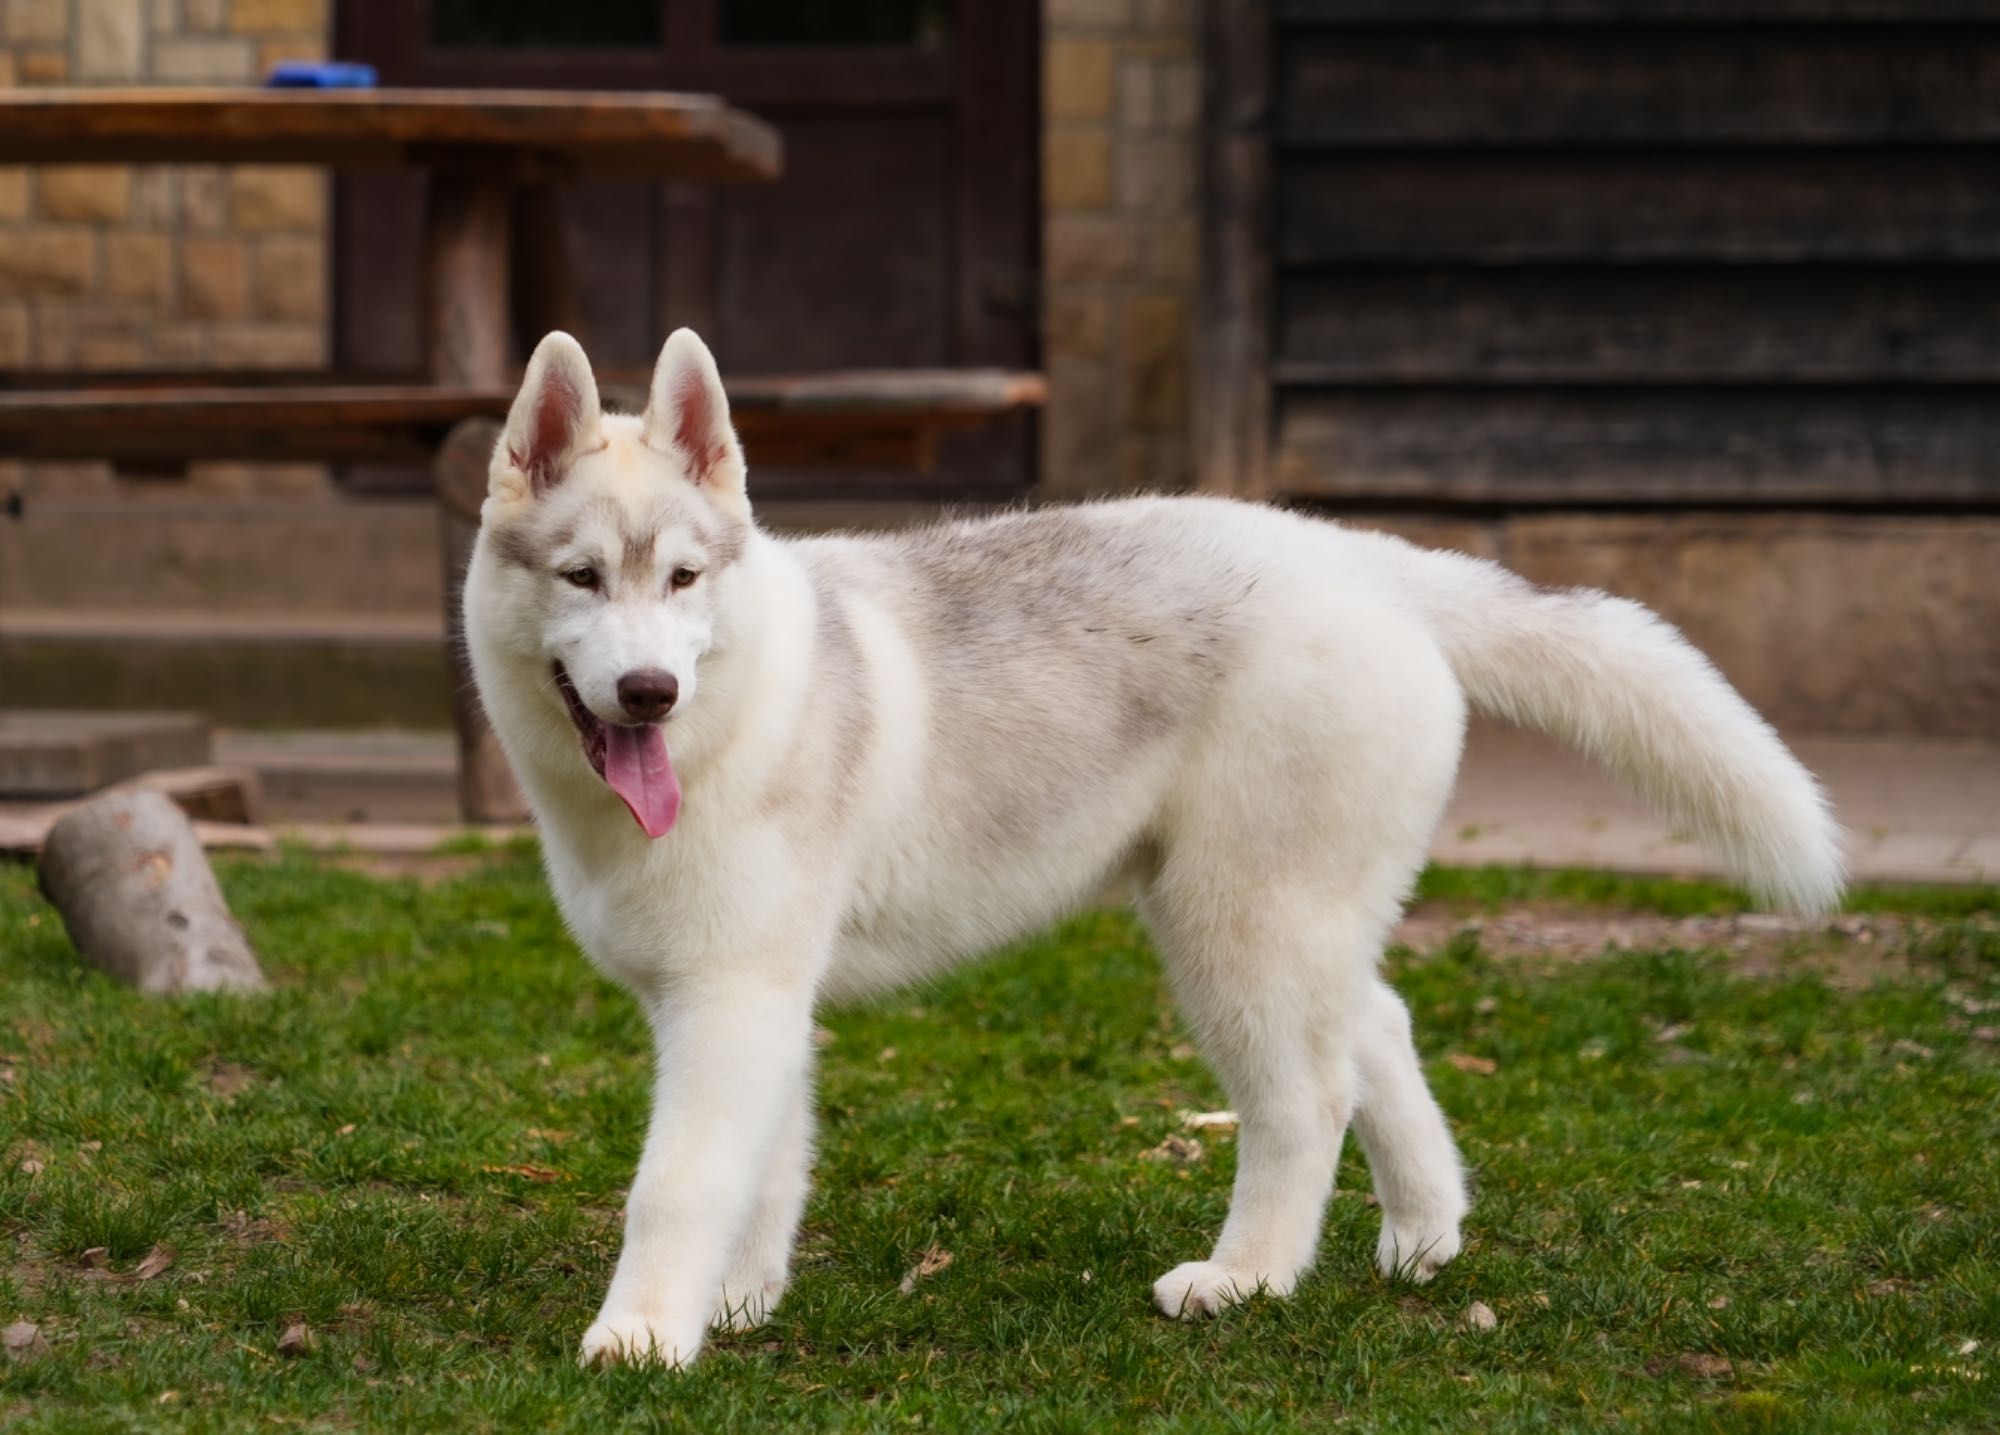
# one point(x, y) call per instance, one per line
point(1621, 685)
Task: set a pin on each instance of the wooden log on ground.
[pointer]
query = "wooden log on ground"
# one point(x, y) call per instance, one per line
point(139, 900)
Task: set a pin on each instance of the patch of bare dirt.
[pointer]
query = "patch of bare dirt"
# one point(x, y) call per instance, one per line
point(1847, 950)
point(428, 868)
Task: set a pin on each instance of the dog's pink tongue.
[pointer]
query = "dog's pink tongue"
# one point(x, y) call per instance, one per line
point(638, 769)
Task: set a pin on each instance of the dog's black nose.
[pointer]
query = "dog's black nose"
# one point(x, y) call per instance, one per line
point(648, 693)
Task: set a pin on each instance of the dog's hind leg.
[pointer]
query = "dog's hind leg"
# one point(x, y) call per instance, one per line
point(761, 1268)
point(1418, 1182)
point(1274, 996)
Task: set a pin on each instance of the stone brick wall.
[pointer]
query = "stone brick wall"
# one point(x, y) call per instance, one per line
point(154, 265)
point(1122, 105)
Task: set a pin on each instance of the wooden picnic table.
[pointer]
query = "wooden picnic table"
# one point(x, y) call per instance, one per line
point(476, 146)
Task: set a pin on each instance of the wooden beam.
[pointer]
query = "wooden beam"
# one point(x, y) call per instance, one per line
point(1603, 207)
point(1591, 87)
point(1633, 325)
point(1723, 447)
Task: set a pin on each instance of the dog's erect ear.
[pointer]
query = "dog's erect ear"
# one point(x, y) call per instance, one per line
point(555, 418)
point(687, 414)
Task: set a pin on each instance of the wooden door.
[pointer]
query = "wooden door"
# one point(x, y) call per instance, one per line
point(903, 234)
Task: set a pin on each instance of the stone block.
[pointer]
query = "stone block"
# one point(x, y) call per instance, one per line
point(1179, 86)
point(268, 346)
point(263, 16)
point(153, 196)
point(1173, 251)
point(1076, 169)
point(204, 60)
point(264, 197)
point(109, 351)
point(1156, 361)
point(1077, 326)
point(110, 39)
point(1828, 623)
point(13, 335)
point(1077, 79)
point(264, 483)
point(47, 261)
point(180, 346)
point(138, 266)
point(37, 22)
point(91, 193)
point(302, 46)
point(215, 277)
point(1088, 248)
point(1087, 14)
point(291, 278)
point(1135, 94)
point(1156, 176)
point(42, 67)
point(53, 337)
point(204, 197)
point(1163, 46)
point(1457, 535)
point(13, 192)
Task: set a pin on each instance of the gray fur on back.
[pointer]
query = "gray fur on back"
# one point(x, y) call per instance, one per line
point(1058, 647)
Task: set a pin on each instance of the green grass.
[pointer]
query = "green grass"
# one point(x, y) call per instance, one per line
point(1805, 1183)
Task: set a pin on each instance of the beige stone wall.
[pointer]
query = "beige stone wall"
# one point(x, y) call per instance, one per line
point(1122, 100)
point(155, 266)
point(1834, 623)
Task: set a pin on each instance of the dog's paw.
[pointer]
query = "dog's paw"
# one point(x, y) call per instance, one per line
point(746, 1304)
point(1202, 1288)
point(1415, 1250)
point(634, 1340)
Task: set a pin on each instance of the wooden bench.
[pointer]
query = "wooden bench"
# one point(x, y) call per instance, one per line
point(888, 419)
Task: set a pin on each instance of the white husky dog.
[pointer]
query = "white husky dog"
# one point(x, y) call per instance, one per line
point(893, 753)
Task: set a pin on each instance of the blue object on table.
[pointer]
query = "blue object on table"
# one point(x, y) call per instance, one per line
point(320, 75)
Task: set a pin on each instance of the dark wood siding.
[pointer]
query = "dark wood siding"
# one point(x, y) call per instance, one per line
point(1549, 251)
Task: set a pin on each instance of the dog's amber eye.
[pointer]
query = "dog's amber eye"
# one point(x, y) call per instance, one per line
point(581, 578)
point(683, 577)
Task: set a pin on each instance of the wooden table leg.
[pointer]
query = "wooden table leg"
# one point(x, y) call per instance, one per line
point(465, 259)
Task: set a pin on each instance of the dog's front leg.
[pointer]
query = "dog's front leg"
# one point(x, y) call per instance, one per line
point(733, 1058)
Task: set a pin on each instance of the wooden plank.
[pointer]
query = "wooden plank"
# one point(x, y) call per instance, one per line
point(1625, 206)
point(1701, 446)
point(1231, 418)
point(843, 420)
point(1641, 326)
point(520, 132)
point(230, 397)
point(1586, 88)
point(1628, 12)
